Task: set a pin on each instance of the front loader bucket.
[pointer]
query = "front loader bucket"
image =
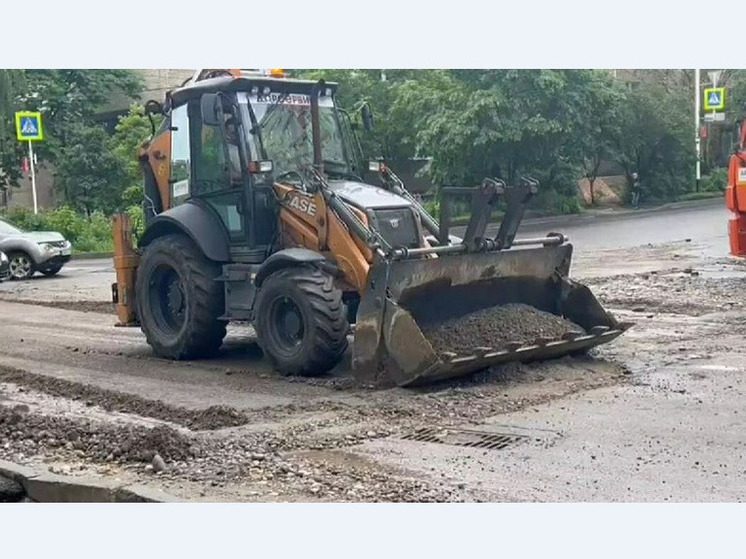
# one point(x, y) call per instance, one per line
point(407, 298)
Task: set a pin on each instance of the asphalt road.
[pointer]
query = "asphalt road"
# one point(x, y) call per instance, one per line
point(704, 222)
point(667, 431)
point(596, 240)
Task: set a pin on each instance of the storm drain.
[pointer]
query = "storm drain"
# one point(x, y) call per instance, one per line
point(467, 437)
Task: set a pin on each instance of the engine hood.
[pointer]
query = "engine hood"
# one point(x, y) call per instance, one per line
point(40, 236)
point(366, 195)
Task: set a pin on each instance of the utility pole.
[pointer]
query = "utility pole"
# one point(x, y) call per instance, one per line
point(696, 126)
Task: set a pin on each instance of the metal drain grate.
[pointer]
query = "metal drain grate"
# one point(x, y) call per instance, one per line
point(466, 437)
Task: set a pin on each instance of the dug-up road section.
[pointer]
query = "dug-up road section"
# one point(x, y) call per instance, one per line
point(657, 415)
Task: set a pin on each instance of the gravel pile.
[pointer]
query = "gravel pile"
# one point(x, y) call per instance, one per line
point(213, 417)
point(96, 440)
point(495, 327)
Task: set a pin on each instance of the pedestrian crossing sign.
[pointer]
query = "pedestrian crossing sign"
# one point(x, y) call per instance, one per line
point(28, 127)
point(715, 99)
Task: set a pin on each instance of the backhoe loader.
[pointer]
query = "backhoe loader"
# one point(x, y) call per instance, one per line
point(259, 208)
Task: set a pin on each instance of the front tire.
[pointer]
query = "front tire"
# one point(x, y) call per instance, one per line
point(21, 266)
point(301, 321)
point(179, 301)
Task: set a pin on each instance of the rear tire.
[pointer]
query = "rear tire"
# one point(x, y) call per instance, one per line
point(21, 266)
point(179, 301)
point(301, 321)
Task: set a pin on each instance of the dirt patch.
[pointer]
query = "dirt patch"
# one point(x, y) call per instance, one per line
point(496, 327)
point(688, 291)
point(214, 417)
point(101, 307)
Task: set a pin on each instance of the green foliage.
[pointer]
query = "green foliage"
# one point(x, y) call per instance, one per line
point(716, 182)
point(555, 125)
point(91, 170)
point(87, 234)
point(655, 140)
point(131, 131)
point(69, 99)
point(11, 150)
point(89, 173)
point(137, 217)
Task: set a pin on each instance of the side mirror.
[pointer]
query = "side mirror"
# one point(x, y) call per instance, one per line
point(367, 115)
point(210, 108)
point(153, 108)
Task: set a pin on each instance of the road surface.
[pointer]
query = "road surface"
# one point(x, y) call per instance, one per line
point(654, 416)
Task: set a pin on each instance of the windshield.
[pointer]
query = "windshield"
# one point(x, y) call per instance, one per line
point(285, 124)
point(7, 229)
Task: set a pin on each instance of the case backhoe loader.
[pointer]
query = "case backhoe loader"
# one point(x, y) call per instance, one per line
point(257, 210)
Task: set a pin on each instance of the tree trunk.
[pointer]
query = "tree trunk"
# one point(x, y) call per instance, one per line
point(591, 183)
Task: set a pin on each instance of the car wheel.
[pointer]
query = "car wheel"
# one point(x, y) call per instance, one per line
point(21, 266)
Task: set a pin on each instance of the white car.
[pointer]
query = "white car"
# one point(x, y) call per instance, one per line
point(33, 251)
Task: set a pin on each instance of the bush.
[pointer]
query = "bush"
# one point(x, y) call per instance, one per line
point(716, 182)
point(92, 234)
point(551, 202)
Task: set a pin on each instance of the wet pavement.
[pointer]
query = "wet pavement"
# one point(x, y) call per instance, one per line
point(657, 415)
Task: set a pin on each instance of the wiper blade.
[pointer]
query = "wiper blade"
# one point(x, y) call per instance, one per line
point(271, 109)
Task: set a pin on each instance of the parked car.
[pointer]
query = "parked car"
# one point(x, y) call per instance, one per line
point(4, 266)
point(33, 251)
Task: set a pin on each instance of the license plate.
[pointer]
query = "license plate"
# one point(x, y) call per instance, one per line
point(65, 252)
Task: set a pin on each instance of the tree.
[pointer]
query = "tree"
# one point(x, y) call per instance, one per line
point(69, 101)
point(503, 122)
point(11, 150)
point(655, 140)
point(131, 131)
point(88, 171)
point(601, 128)
point(71, 98)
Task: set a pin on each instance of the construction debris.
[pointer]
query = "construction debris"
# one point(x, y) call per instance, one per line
point(496, 327)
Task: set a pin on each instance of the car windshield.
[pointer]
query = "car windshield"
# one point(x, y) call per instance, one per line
point(7, 229)
point(285, 122)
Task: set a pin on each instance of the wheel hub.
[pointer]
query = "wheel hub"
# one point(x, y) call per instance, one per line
point(289, 322)
point(20, 266)
point(168, 300)
point(175, 297)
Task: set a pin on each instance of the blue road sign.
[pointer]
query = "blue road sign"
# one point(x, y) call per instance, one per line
point(28, 126)
point(715, 99)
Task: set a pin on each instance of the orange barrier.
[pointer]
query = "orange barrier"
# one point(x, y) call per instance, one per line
point(126, 261)
point(735, 200)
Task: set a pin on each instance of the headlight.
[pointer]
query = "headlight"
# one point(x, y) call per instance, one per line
point(3, 257)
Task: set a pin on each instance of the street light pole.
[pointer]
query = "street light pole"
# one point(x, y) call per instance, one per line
point(696, 126)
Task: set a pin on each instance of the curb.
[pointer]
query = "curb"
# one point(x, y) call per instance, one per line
point(44, 487)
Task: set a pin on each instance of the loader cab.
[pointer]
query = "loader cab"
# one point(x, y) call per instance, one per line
point(216, 164)
point(232, 139)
